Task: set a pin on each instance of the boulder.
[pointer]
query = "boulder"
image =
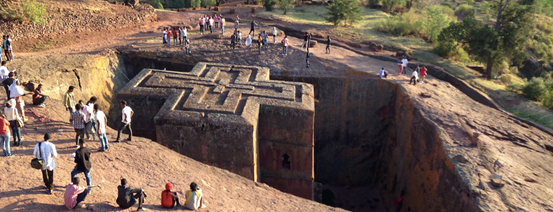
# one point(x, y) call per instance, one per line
point(232, 11)
point(376, 47)
point(497, 182)
point(312, 43)
point(254, 9)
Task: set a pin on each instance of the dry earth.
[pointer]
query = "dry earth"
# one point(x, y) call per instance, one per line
point(520, 151)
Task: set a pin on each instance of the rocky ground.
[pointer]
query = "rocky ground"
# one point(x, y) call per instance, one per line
point(519, 153)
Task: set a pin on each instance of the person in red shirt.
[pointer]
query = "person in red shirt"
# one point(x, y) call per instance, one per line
point(5, 135)
point(169, 199)
point(423, 74)
point(174, 32)
point(168, 36)
point(75, 194)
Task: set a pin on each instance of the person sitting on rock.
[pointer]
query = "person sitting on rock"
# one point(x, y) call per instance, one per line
point(75, 194)
point(194, 197)
point(169, 199)
point(383, 73)
point(126, 196)
point(38, 96)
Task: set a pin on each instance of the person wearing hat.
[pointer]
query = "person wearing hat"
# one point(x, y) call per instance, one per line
point(69, 101)
point(12, 115)
point(75, 194)
point(47, 151)
point(169, 199)
point(127, 195)
point(38, 97)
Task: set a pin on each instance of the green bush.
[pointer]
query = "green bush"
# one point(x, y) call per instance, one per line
point(402, 25)
point(485, 7)
point(35, 12)
point(465, 9)
point(535, 89)
point(286, 5)
point(517, 88)
point(269, 4)
point(469, 2)
point(159, 6)
point(548, 100)
point(447, 4)
point(434, 19)
point(373, 3)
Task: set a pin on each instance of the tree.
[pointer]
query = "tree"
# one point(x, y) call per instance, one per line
point(286, 5)
point(491, 45)
point(269, 4)
point(343, 10)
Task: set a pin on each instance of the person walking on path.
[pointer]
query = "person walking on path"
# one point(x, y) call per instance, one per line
point(223, 21)
point(169, 199)
point(7, 82)
point(285, 45)
point(265, 37)
point(307, 58)
point(237, 22)
point(78, 120)
point(169, 36)
point(249, 42)
point(11, 114)
point(194, 197)
point(90, 118)
point(423, 74)
point(82, 159)
point(127, 195)
point(17, 93)
point(216, 20)
point(5, 135)
point(187, 46)
point(164, 36)
point(233, 41)
point(8, 49)
point(201, 22)
point(399, 67)
point(179, 32)
point(414, 77)
point(47, 151)
point(404, 62)
point(239, 39)
point(126, 115)
point(274, 35)
point(69, 101)
point(184, 34)
point(259, 43)
point(75, 194)
point(101, 121)
point(210, 24)
point(305, 41)
point(252, 27)
point(328, 44)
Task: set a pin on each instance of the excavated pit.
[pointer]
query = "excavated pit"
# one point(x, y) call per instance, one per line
point(372, 144)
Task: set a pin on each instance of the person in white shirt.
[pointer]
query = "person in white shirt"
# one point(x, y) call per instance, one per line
point(101, 121)
point(383, 73)
point(210, 24)
point(194, 197)
point(184, 33)
point(47, 153)
point(90, 124)
point(274, 35)
point(414, 77)
point(249, 41)
point(404, 62)
point(126, 115)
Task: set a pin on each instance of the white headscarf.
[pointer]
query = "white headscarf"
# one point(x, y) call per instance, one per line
point(15, 90)
point(249, 40)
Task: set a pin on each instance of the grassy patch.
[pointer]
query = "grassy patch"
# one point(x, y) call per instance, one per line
point(546, 121)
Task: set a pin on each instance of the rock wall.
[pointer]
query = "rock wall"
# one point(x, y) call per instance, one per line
point(92, 75)
point(369, 132)
point(64, 19)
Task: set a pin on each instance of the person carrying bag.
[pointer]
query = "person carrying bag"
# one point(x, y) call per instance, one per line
point(38, 163)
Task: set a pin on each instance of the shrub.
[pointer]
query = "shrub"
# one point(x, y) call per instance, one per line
point(517, 88)
point(269, 4)
point(402, 25)
point(35, 12)
point(548, 100)
point(535, 89)
point(469, 2)
point(159, 6)
point(505, 78)
point(465, 9)
point(435, 18)
point(373, 3)
point(485, 7)
point(343, 10)
point(286, 5)
point(447, 4)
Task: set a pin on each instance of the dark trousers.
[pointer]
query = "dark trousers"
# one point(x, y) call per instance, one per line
point(48, 178)
point(139, 196)
point(252, 32)
point(78, 133)
point(39, 100)
point(7, 87)
point(414, 80)
point(122, 126)
point(328, 49)
point(82, 196)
